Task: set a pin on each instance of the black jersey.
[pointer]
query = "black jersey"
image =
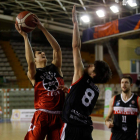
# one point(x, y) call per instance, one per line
point(125, 114)
point(80, 101)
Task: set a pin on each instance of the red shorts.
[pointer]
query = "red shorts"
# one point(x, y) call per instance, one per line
point(44, 124)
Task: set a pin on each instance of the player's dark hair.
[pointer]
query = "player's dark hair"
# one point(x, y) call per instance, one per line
point(36, 49)
point(103, 72)
point(128, 77)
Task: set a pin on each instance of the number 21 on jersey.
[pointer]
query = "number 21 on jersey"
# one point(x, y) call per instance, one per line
point(88, 96)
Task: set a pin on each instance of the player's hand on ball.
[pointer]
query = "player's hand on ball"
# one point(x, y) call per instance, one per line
point(18, 28)
point(63, 88)
point(37, 22)
point(109, 124)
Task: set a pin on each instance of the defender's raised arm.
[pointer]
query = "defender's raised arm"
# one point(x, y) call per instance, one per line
point(76, 45)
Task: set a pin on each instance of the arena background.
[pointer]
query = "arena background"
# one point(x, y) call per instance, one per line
point(118, 46)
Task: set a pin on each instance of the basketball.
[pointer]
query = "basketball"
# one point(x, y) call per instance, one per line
point(25, 20)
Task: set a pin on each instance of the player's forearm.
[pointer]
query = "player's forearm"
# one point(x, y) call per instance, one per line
point(51, 40)
point(76, 36)
point(28, 51)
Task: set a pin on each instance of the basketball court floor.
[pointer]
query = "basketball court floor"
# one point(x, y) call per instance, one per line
point(17, 130)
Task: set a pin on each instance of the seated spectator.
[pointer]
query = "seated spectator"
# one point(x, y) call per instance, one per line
point(138, 83)
point(4, 79)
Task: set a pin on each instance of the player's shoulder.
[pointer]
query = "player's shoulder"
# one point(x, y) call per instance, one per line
point(135, 95)
point(117, 96)
point(112, 101)
point(113, 98)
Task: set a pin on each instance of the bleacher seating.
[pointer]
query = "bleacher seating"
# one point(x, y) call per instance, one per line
point(16, 99)
point(24, 98)
point(67, 64)
point(21, 99)
point(5, 68)
point(67, 58)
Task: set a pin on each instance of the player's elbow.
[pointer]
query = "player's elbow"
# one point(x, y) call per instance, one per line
point(57, 50)
point(31, 63)
point(76, 45)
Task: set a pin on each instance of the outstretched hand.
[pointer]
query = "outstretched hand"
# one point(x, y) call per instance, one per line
point(74, 15)
point(18, 28)
point(63, 88)
point(37, 22)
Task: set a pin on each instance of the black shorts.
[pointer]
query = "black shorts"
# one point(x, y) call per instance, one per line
point(123, 136)
point(71, 132)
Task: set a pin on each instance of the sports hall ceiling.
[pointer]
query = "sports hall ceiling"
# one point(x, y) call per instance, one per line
point(58, 12)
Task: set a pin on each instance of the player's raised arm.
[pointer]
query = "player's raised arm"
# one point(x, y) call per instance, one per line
point(76, 45)
point(57, 55)
point(28, 54)
point(108, 120)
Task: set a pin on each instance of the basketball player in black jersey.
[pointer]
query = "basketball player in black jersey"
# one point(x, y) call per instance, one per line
point(83, 93)
point(125, 108)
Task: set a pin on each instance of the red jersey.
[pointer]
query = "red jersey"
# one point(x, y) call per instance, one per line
point(47, 96)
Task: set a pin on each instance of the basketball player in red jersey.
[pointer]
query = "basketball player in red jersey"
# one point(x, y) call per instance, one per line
point(125, 108)
point(49, 99)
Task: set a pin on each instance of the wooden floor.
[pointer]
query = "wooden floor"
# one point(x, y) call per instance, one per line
point(17, 130)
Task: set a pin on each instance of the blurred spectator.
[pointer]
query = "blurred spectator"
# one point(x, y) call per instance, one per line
point(1, 80)
point(4, 79)
point(0, 113)
point(138, 83)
